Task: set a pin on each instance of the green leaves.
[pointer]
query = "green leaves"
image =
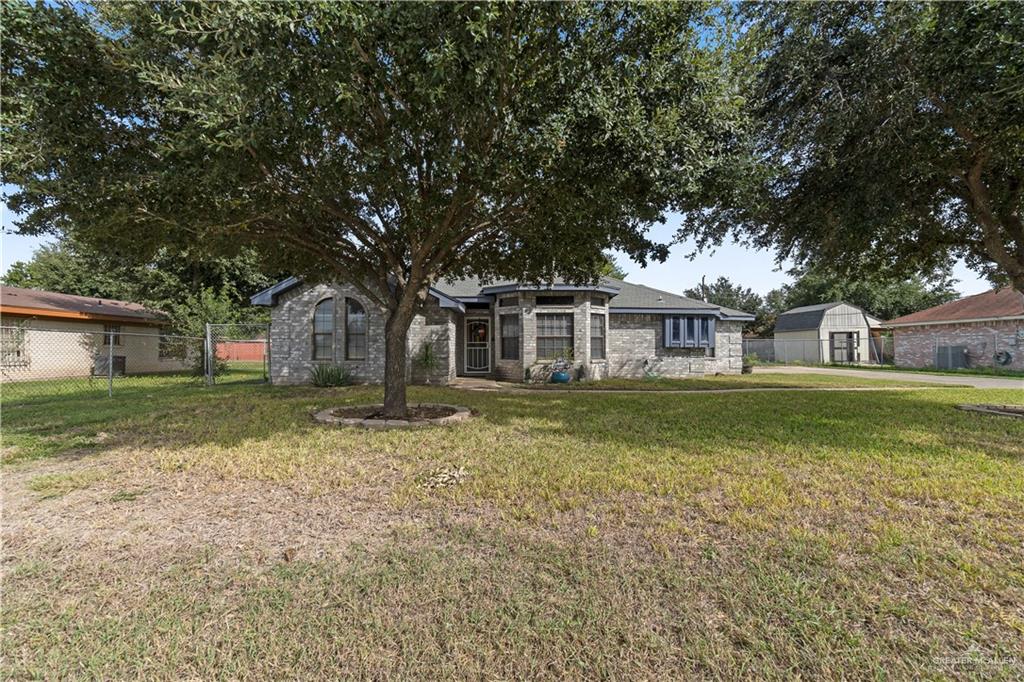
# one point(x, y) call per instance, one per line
point(889, 135)
point(393, 141)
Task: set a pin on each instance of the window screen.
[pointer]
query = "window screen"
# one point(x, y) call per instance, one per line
point(323, 330)
point(554, 335)
point(597, 349)
point(509, 337)
point(554, 300)
point(355, 330)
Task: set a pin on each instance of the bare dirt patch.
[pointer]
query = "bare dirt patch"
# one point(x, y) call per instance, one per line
point(133, 511)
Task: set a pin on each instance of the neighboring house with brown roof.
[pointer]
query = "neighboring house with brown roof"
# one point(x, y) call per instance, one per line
point(47, 335)
point(984, 330)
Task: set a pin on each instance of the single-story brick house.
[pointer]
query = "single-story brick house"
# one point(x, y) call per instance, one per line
point(47, 335)
point(505, 330)
point(983, 330)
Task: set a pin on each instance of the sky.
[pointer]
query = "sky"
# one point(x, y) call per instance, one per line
point(749, 267)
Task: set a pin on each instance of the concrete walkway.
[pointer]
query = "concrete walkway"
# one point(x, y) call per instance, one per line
point(975, 380)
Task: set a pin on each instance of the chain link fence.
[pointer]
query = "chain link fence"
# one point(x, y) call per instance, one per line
point(240, 352)
point(43, 363)
point(838, 350)
point(40, 363)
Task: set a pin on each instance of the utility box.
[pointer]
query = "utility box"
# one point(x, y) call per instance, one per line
point(950, 357)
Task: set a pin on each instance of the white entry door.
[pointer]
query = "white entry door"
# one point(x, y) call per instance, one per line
point(478, 346)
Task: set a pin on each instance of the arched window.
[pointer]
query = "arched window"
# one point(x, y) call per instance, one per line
point(323, 330)
point(355, 330)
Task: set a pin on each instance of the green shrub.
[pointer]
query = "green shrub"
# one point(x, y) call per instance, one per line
point(331, 375)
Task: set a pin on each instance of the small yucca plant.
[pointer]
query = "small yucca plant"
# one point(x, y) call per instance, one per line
point(331, 375)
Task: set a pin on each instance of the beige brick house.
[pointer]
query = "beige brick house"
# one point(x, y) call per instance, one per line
point(48, 335)
point(984, 330)
point(505, 330)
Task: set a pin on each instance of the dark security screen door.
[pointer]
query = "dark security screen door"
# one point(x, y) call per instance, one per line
point(478, 346)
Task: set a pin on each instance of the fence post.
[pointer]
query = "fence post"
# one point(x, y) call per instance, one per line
point(208, 342)
point(110, 364)
point(266, 354)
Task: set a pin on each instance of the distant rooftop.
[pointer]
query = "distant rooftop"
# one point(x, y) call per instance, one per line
point(994, 304)
point(33, 302)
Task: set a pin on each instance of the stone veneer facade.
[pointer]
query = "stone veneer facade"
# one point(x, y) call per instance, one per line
point(633, 342)
point(915, 346)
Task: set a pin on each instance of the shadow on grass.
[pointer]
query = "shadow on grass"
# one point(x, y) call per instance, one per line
point(893, 424)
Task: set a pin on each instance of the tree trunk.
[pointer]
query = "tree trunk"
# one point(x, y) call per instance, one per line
point(396, 333)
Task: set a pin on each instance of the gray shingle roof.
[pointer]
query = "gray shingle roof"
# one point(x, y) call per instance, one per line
point(804, 317)
point(626, 296)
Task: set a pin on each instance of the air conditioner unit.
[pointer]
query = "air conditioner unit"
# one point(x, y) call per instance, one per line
point(950, 357)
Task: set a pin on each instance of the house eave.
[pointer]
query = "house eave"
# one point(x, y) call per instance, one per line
point(932, 323)
point(682, 311)
point(510, 288)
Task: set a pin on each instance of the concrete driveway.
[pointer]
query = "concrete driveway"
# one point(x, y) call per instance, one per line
point(974, 380)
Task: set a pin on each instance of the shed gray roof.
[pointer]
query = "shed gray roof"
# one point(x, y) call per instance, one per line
point(804, 317)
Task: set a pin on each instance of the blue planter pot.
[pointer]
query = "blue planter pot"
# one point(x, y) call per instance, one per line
point(560, 377)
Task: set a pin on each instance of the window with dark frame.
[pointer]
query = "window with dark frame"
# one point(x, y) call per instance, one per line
point(355, 330)
point(554, 335)
point(597, 301)
point(509, 325)
point(323, 330)
point(508, 302)
point(690, 331)
point(555, 300)
point(111, 331)
point(597, 349)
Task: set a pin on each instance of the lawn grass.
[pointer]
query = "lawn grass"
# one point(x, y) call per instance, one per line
point(726, 381)
point(220, 533)
point(967, 371)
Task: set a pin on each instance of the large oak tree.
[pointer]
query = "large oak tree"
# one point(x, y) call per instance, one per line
point(385, 144)
point(890, 136)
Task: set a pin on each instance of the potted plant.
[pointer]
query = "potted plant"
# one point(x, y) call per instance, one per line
point(749, 360)
point(561, 367)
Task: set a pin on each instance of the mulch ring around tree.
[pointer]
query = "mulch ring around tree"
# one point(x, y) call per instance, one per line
point(1015, 411)
point(372, 416)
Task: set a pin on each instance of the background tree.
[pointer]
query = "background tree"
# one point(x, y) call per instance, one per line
point(889, 136)
point(172, 282)
point(882, 297)
point(611, 268)
point(725, 293)
point(384, 144)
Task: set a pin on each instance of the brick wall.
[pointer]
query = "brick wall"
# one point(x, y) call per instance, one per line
point(291, 340)
point(915, 346)
point(634, 340)
point(436, 327)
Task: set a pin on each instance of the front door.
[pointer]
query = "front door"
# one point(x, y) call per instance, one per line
point(478, 346)
point(844, 346)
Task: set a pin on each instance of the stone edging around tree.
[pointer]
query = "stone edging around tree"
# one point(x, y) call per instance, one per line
point(459, 414)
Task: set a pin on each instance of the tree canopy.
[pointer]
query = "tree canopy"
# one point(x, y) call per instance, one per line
point(173, 282)
point(888, 136)
point(386, 144)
